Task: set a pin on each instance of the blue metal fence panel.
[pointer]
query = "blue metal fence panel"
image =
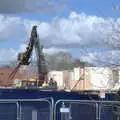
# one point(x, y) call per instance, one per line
point(84, 111)
point(76, 110)
point(109, 111)
point(105, 112)
point(8, 111)
point(87, 110)
point(37, 93)
point(26, 109)
point(63, 110)
point(35, 110)
point(32, 110)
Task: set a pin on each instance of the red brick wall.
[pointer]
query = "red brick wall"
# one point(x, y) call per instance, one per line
point(4, 74)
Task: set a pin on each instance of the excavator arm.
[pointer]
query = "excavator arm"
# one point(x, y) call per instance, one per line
point(41, 63)
point(24, 58)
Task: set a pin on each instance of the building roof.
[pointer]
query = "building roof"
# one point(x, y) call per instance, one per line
point(4, 76)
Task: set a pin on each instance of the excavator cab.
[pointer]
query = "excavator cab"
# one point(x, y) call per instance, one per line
point(20, 56)
point(22, 59)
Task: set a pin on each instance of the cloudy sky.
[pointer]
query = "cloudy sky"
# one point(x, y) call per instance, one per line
point(88, 29)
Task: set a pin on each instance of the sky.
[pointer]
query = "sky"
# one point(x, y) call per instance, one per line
point(83, 28)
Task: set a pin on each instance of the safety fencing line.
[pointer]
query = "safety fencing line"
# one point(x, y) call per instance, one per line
point(98, 104)
point(49, 100)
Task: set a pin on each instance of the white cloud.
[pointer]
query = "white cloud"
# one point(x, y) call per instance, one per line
point(107, 58)
point(22, 48)
point(7, 55)
point(78, 30)
point(53, 50)
point(12, 28)
point(75, 31)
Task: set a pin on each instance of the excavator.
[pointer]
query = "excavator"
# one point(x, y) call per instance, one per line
point(25, 57)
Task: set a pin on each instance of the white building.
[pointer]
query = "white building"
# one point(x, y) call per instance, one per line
point(103, 77)
point(88, 78)
point(57, 76)
point(62, 78)
point(99, 77)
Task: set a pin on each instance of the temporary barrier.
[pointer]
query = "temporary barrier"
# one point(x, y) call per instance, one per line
point(8, 110)
point(109, 110)
point(86, 110)
point(26, 109)
point(43, 109)
point(75, 110)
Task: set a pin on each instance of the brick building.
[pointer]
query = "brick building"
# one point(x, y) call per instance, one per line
point(4, 77)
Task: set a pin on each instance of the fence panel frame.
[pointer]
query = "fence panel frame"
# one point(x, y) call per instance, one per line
point(4, 101)
point(49, 100)
point(97, 103)
point(77, 101)
point(106, 104)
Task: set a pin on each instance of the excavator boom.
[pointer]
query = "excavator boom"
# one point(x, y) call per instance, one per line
point(24, 58)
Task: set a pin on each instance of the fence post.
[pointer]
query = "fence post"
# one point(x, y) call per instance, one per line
point(97, 112)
